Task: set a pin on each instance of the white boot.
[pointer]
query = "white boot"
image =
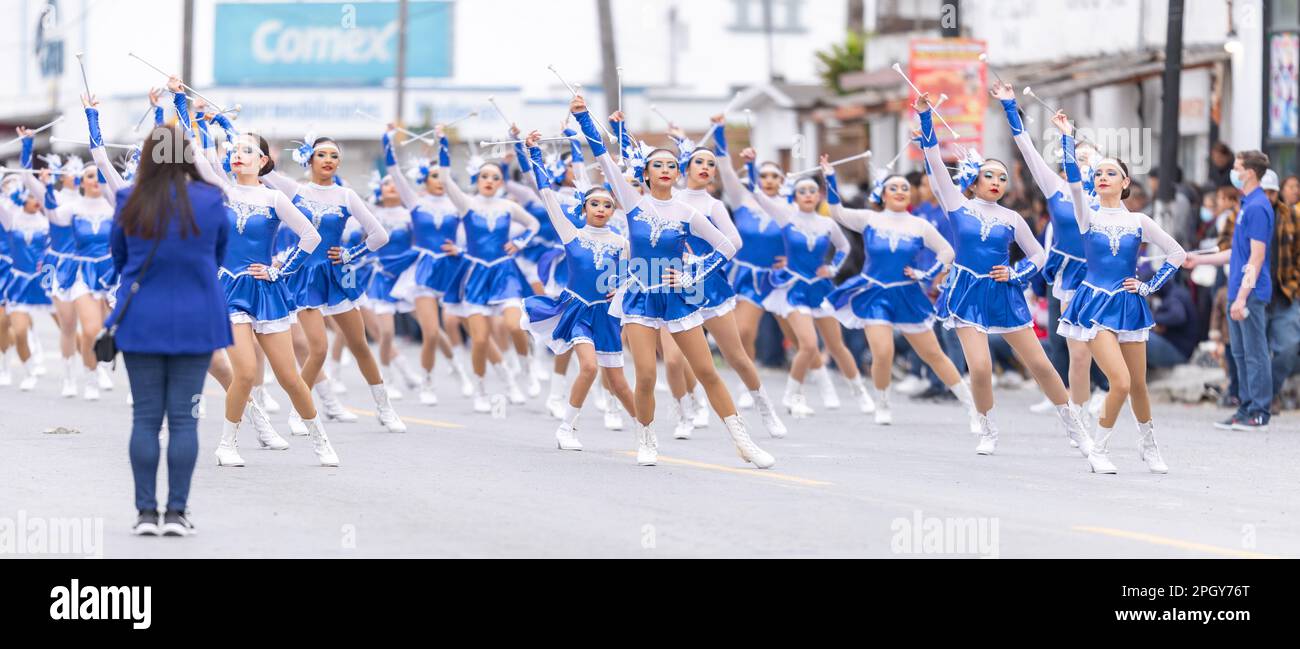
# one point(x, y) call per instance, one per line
point(29, 381)
point(792, 387)
point(744, 400)
point(613, 414)
point(830, 398)
point(962, 390)
point(104, 377)
point(598, 392)
point(265, 400)
point(38, 354)
point(70, 374)
point(513, 393)
point(331, 372)
point(700, 403)
point(988, 435)
point(1148, 450)
point(266, 435)
point(535, 375)
point(321, 443)
point(749, 451)
point(1099, 458)
point(862, 395)
point(384, 410)
point(647, 446)
point(90, 389)
point(482, 404)
point(394, 394)
point(775, 427)
point(296, 424)
point(1074, 428)
point(428, 396)
point(799, 408)
point(413, 379)
point(684, 425)
point(884, 416)
point(555, 401)
point(6, 377)
point(566, 436)
point(459, 368)
point(330, 404)
point(228, 448)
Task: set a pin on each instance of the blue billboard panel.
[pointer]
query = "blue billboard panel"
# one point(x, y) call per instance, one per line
point(328, 43)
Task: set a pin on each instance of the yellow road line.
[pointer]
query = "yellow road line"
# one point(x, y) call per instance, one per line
point(1173, 543)
point(755, 473)
point(414, 420)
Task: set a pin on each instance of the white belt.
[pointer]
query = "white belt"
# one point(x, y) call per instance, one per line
point(484, 262)
point(580, 299)
point(971, 272)
point(887, 284)
point(92, 259)
point(1066, 254)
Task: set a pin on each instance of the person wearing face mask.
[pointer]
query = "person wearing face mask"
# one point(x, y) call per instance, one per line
point(579, 320)
point(493, 286)
point(660, 292)
point(984, 295)
point(1110, 311)
point(888, 295)
point(1250, 289)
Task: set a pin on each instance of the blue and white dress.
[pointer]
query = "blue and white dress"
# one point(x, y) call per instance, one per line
point(983, 232)
point(492, 281)
point(27, 238)
point(434, 221)
point(580, 314)
point(321, 284)
point(883, 293)
point(391, 261)
point(808, 238)
point(1112, 242)
point(1065, 266)
point(6, 260)
point(657, 233)
point(719, 297)
point(89, 269)
point(750, 271)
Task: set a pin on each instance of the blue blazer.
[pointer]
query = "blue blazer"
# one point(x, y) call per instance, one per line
point(181, 307)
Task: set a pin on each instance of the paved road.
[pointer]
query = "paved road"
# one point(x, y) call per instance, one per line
point(466, 485)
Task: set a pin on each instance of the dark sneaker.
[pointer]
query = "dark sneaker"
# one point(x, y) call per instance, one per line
point(146, 523)
point(935, 393)
point(177, 524)
point(1254, 422)
point(1227, 424)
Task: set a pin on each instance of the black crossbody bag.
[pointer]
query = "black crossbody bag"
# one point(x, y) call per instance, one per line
point(106, 342)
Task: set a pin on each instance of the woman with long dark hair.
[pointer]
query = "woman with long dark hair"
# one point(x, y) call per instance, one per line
point(168, 239)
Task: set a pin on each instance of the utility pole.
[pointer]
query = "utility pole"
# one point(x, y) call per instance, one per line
point(187, 47)
point(1170, 104)
point(767, 32)
point(608, 56)
point(402, 9)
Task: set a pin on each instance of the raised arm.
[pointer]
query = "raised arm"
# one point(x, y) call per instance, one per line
point(1044, 176)
point(454, 192)
point(856, 220)
point(950, 197)
point(732, 189)
point(778, 208)
point(405, 191)
point(626, 194)
point(99, 154)
point(1082, 210)
point(554, 211)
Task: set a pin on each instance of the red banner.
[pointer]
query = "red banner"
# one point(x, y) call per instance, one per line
point(952, 66)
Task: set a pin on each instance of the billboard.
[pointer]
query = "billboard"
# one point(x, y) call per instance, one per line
point(952, 66)
point(328, 43)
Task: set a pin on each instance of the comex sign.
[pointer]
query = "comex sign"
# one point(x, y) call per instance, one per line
point(328, 43)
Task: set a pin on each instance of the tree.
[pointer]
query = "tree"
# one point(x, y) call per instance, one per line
point(842, 58)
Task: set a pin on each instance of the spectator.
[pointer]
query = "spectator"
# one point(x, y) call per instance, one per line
point(1175, 335)
point(1291, 191)
point(1250, 288)
point(1137, 200)
point(168, 237)
point(1283, 309)
point(1221, 160)
point(1176, 218)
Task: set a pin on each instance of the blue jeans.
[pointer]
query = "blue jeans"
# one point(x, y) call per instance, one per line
point(165, 385)
point(1162, 353)
point(1283, 339)
point(1249, 339)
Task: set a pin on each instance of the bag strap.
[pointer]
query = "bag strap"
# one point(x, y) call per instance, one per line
point(135, 286)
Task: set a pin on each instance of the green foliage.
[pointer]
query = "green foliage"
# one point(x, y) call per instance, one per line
point(842, 58)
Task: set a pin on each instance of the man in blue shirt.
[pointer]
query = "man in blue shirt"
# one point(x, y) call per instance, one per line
point(1250, 288)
